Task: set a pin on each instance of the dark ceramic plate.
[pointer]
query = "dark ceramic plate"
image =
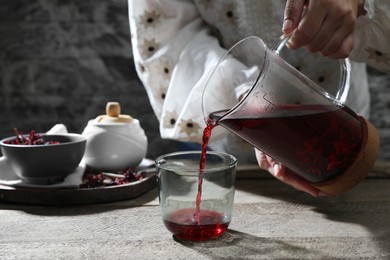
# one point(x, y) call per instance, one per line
point(48, 195)
point(66, 196)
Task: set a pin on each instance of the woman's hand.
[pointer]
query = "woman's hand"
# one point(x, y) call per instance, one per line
point(324, 26)
point(285, 175)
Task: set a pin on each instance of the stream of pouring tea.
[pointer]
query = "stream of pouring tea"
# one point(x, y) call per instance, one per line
point(205, 140)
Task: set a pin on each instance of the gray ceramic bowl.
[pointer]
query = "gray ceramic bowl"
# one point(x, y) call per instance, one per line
point(45, 164)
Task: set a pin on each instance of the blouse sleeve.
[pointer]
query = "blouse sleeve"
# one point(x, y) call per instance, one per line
point(372, 36)
point(173, 51)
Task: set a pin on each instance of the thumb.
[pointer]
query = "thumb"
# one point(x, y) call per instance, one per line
point(292, 15)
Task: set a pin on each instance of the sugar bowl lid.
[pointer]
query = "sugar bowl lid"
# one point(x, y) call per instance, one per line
point(113, 115)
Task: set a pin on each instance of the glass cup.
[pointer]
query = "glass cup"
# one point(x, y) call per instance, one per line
point(196, 205)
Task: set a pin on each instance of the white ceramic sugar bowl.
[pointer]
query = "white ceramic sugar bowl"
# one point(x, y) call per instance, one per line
point(115, 142)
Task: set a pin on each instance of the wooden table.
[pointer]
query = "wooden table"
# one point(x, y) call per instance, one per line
point(270, 221)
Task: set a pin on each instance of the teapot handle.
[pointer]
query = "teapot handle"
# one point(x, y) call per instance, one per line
point(345, 70)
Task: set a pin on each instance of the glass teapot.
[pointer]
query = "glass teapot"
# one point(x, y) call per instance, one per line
point(283, 113)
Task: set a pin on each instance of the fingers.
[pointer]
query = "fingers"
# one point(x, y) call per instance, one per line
point(338, 47)
point(326, 27)
point(310, 25)
point(285, 175)
point(288, 177)
point(265, 162)
point(292, 15)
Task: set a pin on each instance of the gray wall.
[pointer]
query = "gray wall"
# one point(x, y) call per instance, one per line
point(62, 60)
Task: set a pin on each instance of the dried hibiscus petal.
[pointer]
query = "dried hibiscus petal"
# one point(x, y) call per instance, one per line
point(32, 139)
point(95, 179)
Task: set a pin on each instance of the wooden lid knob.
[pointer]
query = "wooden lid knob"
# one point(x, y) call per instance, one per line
point(113, 109)
point(113, 114)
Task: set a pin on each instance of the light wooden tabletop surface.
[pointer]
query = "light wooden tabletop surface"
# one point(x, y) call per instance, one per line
point(270, 221)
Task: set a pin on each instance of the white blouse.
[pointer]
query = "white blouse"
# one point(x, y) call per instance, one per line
point(177, 42)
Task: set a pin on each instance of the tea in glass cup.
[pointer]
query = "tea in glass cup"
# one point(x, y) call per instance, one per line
point(196, 205)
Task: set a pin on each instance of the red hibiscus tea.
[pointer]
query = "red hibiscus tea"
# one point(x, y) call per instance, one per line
point(196, 193)
point(316, 142)
point(196, 225)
